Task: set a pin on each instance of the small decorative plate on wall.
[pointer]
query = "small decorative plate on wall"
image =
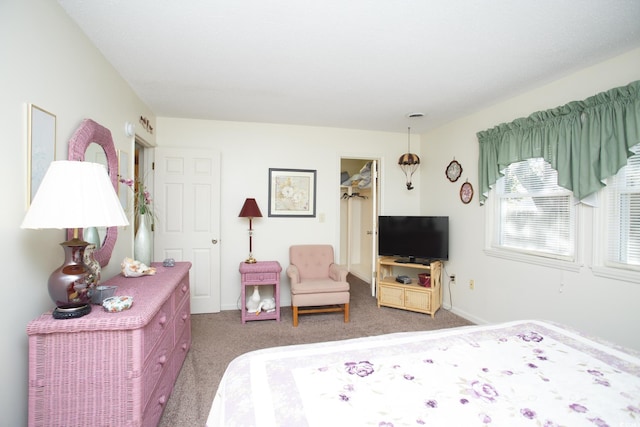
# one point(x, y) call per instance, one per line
point(466, 192)
point(453, 171)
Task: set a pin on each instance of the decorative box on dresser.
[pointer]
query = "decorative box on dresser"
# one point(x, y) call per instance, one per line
point(112, 369)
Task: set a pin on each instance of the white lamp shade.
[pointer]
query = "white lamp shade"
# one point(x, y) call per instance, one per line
point(75, 194)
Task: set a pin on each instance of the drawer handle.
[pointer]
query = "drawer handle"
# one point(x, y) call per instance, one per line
point(162, 400)
point(163, 319)
point(185, 316)
point(162, 359)
point(184, 288)
point(184, 346)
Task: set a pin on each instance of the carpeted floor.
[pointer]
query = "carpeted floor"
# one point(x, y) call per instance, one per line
point(220, 337)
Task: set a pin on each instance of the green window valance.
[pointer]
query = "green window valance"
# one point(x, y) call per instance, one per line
point(585, 141)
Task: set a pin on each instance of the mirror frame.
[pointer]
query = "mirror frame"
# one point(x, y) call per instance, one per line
point(89, 132)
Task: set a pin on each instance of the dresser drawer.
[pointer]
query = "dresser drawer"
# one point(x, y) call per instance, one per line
point(181, 292)
point(182, 320)
point(158, 401)
point(157, 326)
point(183, 345)
point(156, 365)
point(259, 277)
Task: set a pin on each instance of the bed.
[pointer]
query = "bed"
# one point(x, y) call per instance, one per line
point(530, 373)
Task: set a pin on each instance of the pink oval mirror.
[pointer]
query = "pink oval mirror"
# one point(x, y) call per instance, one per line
point(87, 133)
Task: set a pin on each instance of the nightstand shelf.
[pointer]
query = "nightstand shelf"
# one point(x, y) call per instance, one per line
point(411, 296)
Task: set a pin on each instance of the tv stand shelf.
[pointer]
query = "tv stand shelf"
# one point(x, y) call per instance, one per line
point(411, 296)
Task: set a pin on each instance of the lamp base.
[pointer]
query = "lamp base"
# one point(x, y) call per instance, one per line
point(71, 313)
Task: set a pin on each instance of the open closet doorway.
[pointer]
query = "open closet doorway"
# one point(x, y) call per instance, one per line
point(359, 191)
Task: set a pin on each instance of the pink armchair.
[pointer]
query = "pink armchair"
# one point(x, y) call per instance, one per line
point(317, 282)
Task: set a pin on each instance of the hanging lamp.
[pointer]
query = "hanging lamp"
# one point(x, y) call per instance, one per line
point(409, 162)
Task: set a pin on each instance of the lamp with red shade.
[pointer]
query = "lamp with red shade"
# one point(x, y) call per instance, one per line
point(250, 210)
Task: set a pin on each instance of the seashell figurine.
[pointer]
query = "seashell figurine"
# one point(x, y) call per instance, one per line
point(132, 268)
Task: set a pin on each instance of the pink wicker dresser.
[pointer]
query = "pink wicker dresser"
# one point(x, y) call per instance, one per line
point(112, 369)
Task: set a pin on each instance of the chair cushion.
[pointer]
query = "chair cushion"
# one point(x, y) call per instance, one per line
point(319, 286)
point(313, 261)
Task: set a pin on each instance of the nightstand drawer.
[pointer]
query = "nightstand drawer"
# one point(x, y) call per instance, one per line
point(260, 277)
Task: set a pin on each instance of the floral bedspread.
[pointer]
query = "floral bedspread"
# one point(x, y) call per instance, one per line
point(528, 373)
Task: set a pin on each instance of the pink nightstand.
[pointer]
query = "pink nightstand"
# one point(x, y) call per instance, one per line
point(259, 274)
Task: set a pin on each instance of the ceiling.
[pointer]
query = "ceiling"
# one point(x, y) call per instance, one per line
point(361, 64)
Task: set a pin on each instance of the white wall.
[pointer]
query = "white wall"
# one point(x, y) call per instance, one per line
point(49, 62)
point(506, 289)
point(248, 150)
point(46, 61)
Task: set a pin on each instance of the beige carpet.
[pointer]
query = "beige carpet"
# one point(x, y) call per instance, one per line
point(219, 338)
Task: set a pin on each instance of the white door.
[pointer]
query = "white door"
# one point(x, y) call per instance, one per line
point(187, 195)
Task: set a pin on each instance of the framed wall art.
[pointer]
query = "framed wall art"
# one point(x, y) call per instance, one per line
point(42, 147)
point(453, 171)
point(466, 192)
point(292, 192)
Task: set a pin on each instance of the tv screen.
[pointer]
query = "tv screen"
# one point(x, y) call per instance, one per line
point(415, 239)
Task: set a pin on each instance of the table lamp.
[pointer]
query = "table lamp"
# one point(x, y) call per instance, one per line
point(73, 195)
point(250, 210)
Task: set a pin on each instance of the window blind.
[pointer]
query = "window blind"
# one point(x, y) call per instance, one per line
point(535, 214)
point(623, 214)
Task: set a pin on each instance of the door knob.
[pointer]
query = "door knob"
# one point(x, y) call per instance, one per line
point(214, 241)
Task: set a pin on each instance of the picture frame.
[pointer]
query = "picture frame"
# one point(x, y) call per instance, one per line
point(292, 193)
point(42, 147)
point(123, 172)
point(466, 192)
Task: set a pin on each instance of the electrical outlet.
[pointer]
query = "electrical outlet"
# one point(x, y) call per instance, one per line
point(452, 279)
point(472, 284)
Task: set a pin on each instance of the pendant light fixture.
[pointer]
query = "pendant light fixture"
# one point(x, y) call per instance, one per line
point(409, 162)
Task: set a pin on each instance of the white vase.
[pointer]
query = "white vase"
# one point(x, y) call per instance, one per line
point(142, 242)
point(91, 235)
point(254, 301)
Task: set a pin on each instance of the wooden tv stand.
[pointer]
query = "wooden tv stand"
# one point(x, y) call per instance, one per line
point(412, 296)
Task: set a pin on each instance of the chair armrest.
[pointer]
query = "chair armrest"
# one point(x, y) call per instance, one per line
point(338, 272)
point(294, 274)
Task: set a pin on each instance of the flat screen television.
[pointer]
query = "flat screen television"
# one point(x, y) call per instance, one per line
point(414, 239)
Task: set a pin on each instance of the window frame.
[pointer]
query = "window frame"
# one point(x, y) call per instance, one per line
point(492, 248)
point(602, 267)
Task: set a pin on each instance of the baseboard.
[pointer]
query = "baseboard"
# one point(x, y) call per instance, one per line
point(470, 317)
point(361, 276)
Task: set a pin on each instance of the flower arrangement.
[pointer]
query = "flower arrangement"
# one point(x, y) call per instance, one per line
point(141, 197)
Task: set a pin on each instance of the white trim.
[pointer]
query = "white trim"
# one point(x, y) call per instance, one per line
point(616, 274)
point(534, 259)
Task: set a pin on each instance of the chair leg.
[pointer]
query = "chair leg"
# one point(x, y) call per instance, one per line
point(346, 313)
point(295, 315)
